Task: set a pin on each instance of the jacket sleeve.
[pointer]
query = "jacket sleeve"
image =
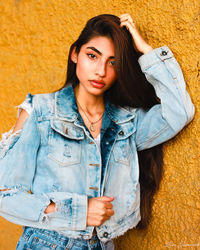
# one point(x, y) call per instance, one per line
point(18, 157)
point(165, 120)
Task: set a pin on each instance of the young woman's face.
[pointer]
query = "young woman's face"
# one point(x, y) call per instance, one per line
point(95, 65)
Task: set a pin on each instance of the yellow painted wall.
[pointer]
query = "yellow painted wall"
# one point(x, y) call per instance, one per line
point(34, 40)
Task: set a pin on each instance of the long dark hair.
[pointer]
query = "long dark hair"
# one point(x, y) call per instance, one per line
point(130, 89)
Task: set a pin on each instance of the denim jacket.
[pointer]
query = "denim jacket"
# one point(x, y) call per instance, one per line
point(54, 157)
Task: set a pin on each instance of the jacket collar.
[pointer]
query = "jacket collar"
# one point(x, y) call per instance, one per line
point(65, 104)
point(66, 107)
point(118, 114)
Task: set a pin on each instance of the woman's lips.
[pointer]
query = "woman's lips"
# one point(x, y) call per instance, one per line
point(97, 84)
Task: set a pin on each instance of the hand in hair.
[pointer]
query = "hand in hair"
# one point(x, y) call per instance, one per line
point(139, 43)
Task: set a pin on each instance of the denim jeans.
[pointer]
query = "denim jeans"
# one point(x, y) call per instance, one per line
point(41, 239)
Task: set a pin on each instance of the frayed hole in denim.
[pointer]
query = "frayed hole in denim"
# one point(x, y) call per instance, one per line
point(64, 207)
point(8, 140)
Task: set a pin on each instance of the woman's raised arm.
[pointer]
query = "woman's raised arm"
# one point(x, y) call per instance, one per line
point(165, 120)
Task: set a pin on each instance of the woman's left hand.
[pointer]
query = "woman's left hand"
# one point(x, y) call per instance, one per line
point(50, 208)
point(140, 44)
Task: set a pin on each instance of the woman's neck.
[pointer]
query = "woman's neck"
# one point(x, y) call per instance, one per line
point(90, 103)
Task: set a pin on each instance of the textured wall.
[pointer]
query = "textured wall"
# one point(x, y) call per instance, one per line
point(34, 42)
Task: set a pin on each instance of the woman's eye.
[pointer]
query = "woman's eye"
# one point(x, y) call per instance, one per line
point(112, 62)
point(92, 56)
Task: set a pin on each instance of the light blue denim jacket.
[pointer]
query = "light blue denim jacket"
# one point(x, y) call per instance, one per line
point(55, 158)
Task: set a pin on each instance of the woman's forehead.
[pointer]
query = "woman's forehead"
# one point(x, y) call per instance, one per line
point(103, 44)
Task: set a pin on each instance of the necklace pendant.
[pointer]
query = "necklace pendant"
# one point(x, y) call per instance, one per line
point(92, 127)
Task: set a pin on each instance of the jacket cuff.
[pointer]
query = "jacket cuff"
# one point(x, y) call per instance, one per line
point(154, 56)
point(72, 210)
point(79, 211)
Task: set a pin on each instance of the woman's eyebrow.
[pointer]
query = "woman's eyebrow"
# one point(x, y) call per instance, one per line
point(97, 51)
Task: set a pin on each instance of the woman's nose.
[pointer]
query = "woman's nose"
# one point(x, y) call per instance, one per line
point(101, 69)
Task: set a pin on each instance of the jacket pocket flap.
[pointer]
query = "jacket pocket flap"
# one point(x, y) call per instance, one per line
point(67, 129)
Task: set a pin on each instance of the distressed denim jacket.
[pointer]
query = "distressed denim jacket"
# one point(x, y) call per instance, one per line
point(54, 157)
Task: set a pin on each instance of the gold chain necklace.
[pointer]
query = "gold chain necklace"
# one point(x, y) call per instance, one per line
point(92, 127)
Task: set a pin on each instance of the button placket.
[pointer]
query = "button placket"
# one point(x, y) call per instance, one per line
point(93, 171)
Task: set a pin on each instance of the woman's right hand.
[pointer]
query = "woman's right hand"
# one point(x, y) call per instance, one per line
point(140, 44)
point(99, 210)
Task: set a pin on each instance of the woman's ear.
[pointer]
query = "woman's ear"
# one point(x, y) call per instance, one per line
point(74, 55)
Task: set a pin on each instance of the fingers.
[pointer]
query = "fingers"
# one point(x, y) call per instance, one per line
point(108, 205)
point(99, 210)
point(127, 21)
point(110, 212)
point(106, 212)
point(138, 41)
point(105, 198)
point(106, 209)
point(126, 17)
point(105, 202)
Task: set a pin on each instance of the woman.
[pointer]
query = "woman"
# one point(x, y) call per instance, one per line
point(77, 150)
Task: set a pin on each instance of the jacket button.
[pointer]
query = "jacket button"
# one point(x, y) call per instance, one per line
point(121, 133)
point(94, 188)
point(36, 239)
point(163, 53)
point(105, 234)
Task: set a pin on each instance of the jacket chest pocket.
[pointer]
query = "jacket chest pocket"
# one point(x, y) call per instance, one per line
point(62, 150)
point(122, 152)
point(122, 149)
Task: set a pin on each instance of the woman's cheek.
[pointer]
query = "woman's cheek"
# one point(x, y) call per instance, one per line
point(113, 76)
point(83, 67)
